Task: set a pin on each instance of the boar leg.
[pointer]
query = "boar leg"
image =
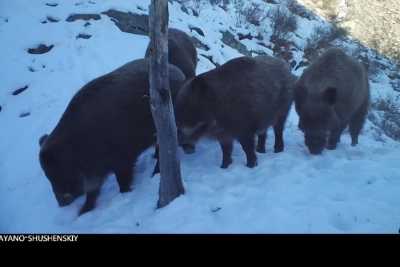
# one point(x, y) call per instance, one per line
point(248, 146)
point(334, 137)
point(357, 122)
point(261, 142)
point(227, 147)
point(157, 166)
point(156, 151)
point(90, 202)
point(124, 177)
point(278, 131)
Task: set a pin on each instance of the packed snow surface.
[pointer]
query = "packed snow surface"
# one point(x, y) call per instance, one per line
point(349, 190)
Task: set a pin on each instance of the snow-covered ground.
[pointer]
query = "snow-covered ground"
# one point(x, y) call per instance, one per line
point(350, 190)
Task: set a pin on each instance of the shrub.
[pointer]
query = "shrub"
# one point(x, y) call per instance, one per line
point(239, 6)
point(299, 9)
point(389, 121)
point(253, 14)
point(321, 38)
point(371, 65)
point(283, 22)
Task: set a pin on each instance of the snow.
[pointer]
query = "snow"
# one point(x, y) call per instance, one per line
point(349, 190)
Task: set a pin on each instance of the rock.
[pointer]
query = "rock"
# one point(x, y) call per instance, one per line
point(141, 8)
point(196, 29)
point(195, 13)
point(52, 4)
point(264, 45)
point(242, 36)
point(210, 58)
point(293, 64)
point(216, 209)
point(199, 44)
point(83, 36)
point(0, 108)
point(24, 114)
point(229, 39)
point(394, 75)
point(41, 49)
point(52, 19)
point(259, 52)
point(129, 22)
point(303, 63)
point(74, 17)
point(20, 90)
point(87, 24)
point(184, 9)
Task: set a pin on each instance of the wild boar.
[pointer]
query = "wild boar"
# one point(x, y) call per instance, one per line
point(331, 94)
point(237, 100)
point(106, 126)
point(181, 52)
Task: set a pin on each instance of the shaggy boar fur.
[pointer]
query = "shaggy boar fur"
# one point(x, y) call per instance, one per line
point(181, 52)
point(106, 126)
point(332, 93)
point(237, 100)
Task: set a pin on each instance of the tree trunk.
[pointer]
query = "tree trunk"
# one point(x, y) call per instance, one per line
point(161, 105)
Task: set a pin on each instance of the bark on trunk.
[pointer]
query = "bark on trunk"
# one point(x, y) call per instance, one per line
point(161, 105)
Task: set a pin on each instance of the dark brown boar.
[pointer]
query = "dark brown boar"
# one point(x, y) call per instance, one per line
point(331, 94)
point(237, 100)
point(181, 52)
point(106, 126)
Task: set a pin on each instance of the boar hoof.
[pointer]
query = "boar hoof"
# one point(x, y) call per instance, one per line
point(86, 208)
point(125, 189)
point(331, 146)
point(252, 164)
point(225, 164)
point(261, 150)
point(354, 143)
point(278, 149)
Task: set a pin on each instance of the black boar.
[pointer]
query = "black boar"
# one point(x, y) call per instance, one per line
point(181, 52)
point(106, 126)
point(237, 100)
point(331, 94)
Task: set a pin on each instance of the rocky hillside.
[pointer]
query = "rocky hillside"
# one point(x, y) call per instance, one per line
point(375, 23)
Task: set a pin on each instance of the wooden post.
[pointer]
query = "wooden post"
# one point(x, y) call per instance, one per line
point(161, 105)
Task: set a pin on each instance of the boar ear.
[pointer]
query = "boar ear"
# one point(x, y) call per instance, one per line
point(43, 139)
point(329, 96)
